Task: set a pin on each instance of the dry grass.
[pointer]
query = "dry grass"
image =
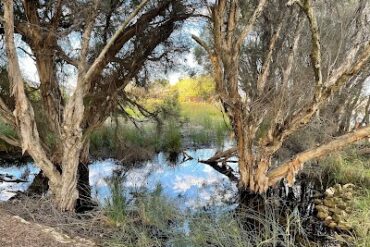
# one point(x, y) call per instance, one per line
point(92, 225)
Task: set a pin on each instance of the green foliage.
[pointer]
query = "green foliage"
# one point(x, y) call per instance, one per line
point(170, 107)
point(148, 221)
point(171, 138)
point(200, 88)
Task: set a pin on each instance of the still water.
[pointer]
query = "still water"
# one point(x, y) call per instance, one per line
point(188, 183)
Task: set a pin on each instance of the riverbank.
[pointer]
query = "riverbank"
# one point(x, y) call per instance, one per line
point(15, 231)
point(159, 202)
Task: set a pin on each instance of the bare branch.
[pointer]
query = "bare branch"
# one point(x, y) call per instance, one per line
point(7, 114)
point(57, 15)
point(262, 79)
point(316, 47)
point(100, 60)
point(338, 79)
point(224, 155)
point(219, 163)
point(290, 168)
point(11, 141)
point(86, 39)
point(231, 24)
point(202, 44)
point(289, 67)
point(248, 28)
point(66, 57)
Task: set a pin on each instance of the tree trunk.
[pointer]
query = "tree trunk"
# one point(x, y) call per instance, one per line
point(84, 201)
point(50, 92)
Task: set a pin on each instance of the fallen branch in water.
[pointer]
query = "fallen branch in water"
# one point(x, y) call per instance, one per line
point(224, 169)
point(221, 156)
point(17, 180)
point(186, 157)
point(219, 163)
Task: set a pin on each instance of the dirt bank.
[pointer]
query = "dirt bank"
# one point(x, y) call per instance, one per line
point(15, 231)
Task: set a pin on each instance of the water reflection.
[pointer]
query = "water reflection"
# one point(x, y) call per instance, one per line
point(24, 172)
point(189, 184)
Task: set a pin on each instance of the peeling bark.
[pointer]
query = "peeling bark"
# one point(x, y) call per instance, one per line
point(247, 111)
point(23, 113)
point(72, 121)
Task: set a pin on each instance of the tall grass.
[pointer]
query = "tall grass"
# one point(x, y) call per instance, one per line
point(153, 220)
point(149, 220)
point(361, 218)
point(116, 205)
point(347, 167)
point(198, 124)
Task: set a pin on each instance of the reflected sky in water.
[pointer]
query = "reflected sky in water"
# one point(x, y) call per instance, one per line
point(190, 184)
point(27, 172)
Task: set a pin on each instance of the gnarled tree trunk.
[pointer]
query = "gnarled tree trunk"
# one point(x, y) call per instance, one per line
point(65, 163)
point(262, 108)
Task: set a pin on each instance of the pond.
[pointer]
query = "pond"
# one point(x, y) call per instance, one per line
point(189, 183)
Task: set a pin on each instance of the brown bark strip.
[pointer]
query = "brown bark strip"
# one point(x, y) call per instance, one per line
point(23, 110)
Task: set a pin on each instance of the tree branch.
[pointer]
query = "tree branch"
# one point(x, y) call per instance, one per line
point(338, 79)
point(100, 61)
point(86, 40)
point(316, 47)
point(24, 114)
point(248, 28)
point(289, 168)
point(202, 44)
point(11, 141)
point(262, 79)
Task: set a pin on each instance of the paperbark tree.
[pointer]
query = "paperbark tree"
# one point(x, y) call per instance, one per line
point(112, 53)
point(275, 67)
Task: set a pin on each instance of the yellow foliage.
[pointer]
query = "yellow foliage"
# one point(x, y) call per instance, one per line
point(200, 88)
